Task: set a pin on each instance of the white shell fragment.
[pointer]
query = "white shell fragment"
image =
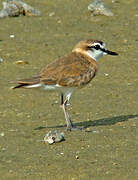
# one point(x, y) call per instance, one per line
point(12, 36)
point(1, 60)
point(54, 136)
point(14, 8)
point(97, 7)
point(106, 74)
point(2, 134)
point(22, 62)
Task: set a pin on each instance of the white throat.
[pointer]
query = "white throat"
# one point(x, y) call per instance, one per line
point(95, 54)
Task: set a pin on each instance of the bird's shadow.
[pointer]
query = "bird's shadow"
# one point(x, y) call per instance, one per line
point(101, 122)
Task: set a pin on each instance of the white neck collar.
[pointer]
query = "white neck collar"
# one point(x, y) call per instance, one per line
point(94, 55)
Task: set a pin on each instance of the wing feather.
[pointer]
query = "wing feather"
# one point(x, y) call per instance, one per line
point(71, 70)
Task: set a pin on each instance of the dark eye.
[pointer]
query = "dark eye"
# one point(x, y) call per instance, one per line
point(96, 47)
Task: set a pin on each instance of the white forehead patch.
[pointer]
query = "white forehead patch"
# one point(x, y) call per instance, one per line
point(102, 46)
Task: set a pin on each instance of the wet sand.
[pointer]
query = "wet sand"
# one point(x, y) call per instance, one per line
point(107, 106)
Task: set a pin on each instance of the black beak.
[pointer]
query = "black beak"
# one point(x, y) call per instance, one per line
point(109, 52)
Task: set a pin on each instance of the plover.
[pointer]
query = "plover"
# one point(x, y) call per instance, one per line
point(69, 73)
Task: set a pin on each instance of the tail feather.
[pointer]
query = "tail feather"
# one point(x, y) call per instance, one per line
point(26, 83)
point(19, 86)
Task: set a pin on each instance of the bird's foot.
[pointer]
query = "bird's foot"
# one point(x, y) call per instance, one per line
point(74, 128)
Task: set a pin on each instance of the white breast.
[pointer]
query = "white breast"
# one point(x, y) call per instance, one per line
point(95, 54)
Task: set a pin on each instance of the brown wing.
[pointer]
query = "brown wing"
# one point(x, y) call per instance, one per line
point(71, 70)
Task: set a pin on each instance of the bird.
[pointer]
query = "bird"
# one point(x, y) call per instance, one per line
point(69, 73)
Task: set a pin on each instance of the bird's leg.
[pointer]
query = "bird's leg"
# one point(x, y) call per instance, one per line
point(64, 107)
point(62, 99)
point(70, 125)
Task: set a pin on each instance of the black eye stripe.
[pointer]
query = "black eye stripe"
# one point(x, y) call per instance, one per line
point(96, 47)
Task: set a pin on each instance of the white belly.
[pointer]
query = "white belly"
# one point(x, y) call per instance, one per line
point(67, 91)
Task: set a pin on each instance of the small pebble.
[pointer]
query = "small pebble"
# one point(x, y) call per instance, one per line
point(56, 102)
point(22, 62)
point(10, 171)
point(95, 131)
point(14, 8)
point(12, 36)
point(51, 14)
point(54, 136)
point(97, 7)
point(1, 60)
point(124, 40)
point(2, 134)
point(59, 21)
point(106, 74)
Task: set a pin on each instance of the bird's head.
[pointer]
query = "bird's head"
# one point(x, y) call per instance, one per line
point(93, 48)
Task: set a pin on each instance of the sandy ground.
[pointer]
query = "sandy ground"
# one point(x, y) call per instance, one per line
point(108, 106)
